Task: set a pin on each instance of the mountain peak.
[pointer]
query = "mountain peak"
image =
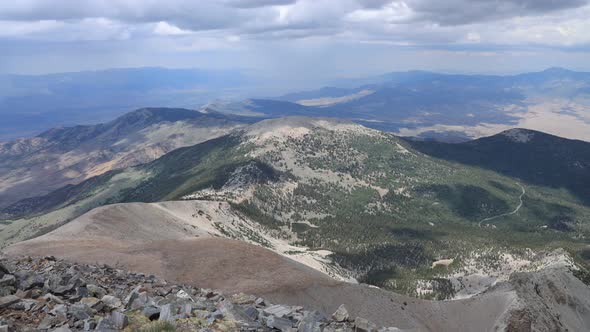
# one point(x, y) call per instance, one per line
point(299, 126)
point(557, 70)
point(519, 135)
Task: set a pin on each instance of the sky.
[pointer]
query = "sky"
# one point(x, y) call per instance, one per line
point(297, 40)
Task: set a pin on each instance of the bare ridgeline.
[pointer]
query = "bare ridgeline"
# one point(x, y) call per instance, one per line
point(51, 294)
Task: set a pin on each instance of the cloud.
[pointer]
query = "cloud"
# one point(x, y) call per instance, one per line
point(286, 18)
point(264, 28)
point(258, 3)
point(459, 12)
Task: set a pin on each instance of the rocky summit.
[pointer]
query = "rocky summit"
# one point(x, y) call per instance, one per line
point(50, 294)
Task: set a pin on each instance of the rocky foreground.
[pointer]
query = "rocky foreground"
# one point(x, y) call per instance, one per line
point(49, 294)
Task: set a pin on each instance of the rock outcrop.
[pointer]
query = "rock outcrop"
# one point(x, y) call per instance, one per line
point(50, 294)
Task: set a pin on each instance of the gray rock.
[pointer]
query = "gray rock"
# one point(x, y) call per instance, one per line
point(3, 270)
point(363, 325)
point(242, 298)
point(311, 322)
point(59, 309)
point(62, 329)
point(278, 311)
point(341, 314)
point(89, 301)
point(186, 310)
point(141, 301)
point(111, 302)
point(251, 313)
point(151, 312)
point(120, 320)
point(95, 291)
point(29, 279)
point(8, 300)
point(4, 328)
point(82, 292)
point(134, 294)
point(89, 324)
point(62, 289)
point(281, 324)
point(24, 304)
point(53, 298)
point(81, 311)
point(217, 314)
point(7, 290)
point(7, 280)
point(47, 322)
point(181, 294)
point(260, 302)
point(24, 294)
point(105, 324)
point(166, 313)
point(334, 328)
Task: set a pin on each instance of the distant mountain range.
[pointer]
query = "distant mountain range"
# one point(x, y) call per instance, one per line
point(30, 104)
point(414, 103)
point(441, 106)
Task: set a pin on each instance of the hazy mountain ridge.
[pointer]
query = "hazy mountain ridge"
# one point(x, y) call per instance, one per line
point(447, 106)
point(60, 156)
point(30, 104)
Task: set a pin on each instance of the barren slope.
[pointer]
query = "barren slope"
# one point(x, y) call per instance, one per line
point(180, 241)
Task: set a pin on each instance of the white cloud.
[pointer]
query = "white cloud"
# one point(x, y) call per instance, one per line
point(166, 29)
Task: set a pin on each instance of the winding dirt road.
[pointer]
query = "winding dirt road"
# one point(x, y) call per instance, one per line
point(508, 213)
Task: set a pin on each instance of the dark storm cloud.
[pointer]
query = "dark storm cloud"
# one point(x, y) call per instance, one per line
point(261, 15)
point(459, 12)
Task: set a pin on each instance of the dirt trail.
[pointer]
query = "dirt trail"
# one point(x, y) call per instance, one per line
point(508, 213)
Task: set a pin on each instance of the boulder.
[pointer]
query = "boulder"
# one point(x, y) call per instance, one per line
point(120, 320)
point(105, 324)
point(3, 270)
point(311, 322)
point(7, 280)
point(81, 311)
point(29, 279)
point(259, 302)
point(281, 324)
point(166, 313)
point(251, 313)
point(89, 301)
point(95, 291)
point(363, 325)
point(8, 300)
point(278, 311)
point(341, 314)
point(47, 322)
point(53, 298)
point(89, 324)
point(111, 302)
point(131, 297)
point(151, 312)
